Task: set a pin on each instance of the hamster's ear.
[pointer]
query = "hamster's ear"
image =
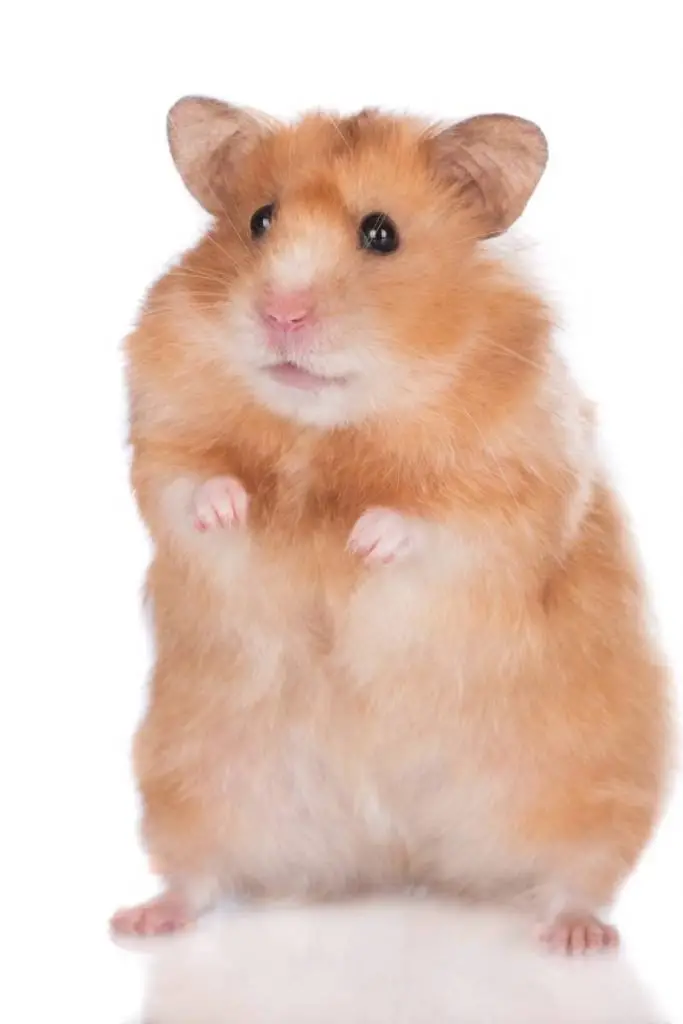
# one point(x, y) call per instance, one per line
point(495, 162)
point(207, 138)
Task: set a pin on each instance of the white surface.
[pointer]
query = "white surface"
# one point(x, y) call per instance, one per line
point(388, 963)
point(91, 209)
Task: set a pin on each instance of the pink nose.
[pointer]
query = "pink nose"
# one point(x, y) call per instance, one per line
point(287, 312)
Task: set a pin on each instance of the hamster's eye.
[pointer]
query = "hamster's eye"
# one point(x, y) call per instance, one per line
point(378, 232)
point(262, 220)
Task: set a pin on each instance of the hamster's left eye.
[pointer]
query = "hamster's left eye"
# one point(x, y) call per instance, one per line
point(378, 232)
point(262, 220)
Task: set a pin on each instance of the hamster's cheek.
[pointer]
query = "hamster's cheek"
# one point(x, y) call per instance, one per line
point(242, 338)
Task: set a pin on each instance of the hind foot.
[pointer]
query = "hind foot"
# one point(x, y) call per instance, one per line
point(167, 913)
point(578, 934)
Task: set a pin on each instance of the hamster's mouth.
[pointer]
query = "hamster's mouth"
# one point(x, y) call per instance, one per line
point(294, 376)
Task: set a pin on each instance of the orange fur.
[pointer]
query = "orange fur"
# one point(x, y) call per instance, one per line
point(488, 718)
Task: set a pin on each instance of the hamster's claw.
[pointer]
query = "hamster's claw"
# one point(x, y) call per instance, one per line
point(220, 502)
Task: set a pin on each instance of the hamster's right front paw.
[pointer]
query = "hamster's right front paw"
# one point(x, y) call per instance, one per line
point(219, 502)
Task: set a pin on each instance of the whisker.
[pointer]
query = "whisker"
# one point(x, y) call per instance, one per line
point(232, 225)
point(211, 238)
point(222, 207)
point(340, 133)
point(155, 310)
point(516, 355)
point(234, 228)
point(198, 275)
point(492, 455)
point(210, 296)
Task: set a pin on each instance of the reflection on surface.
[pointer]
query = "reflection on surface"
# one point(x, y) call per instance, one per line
point(399, 962)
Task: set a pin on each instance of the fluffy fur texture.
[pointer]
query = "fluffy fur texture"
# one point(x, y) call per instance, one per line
point(485, 716)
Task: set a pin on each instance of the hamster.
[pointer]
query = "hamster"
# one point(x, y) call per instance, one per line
point(401, 636)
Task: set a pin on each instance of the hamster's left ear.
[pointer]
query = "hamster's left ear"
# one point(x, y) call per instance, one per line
point(494, 162)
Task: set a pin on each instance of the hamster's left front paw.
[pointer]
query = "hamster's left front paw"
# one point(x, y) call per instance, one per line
point(382, 536)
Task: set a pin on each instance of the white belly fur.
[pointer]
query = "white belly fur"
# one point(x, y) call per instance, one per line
point(332, 793)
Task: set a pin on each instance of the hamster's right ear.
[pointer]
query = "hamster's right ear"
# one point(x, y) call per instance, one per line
point(207, 138)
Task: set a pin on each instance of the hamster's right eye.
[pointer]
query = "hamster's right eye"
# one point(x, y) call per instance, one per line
point(262, 220)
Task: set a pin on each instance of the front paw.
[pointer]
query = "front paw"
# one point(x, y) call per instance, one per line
point(382, 536)
point(220, 502)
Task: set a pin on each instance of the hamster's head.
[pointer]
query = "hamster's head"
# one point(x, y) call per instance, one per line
point(339, 278)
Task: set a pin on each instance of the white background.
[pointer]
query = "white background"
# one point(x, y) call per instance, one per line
point(91, 208)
